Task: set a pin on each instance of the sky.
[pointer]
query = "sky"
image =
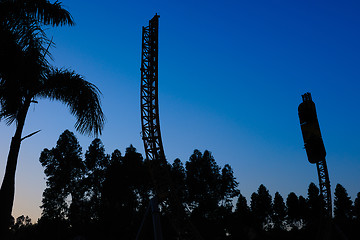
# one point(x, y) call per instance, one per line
point(231, 76)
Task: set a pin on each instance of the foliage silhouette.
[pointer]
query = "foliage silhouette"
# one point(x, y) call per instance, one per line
point(303, 209)
point(207, 186)
point(261, 207)
point(26, 76)
point(178, 175)
point(210, 191)
point(64, 168)
point(315, 203)
point(126, 193)
point(98, 196)
point(279, 211)
point(96, 164)
point(356, 208)
point(241, 220)
point(22, 221)
point(342, 206)
point(293, 210)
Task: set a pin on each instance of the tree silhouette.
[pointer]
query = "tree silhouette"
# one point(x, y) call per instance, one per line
point(96, 163)
point(293, 210)
point(242, 219)
point(27, 76)
point(22, 221)
point(203, 180)
point(242, 209)
point(125, 193)
point(210, 189)
point(315, 203)
point(342, 205)
point(279, 209)
point(63, 168)
point(228, 185)
point(356, 209)
point(178, 176)
point(261, 207)
point(303, 209)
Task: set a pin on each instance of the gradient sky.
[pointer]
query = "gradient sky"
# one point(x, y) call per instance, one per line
point(231, 75)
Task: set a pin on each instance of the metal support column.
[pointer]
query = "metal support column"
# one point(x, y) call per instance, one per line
point(315, 148)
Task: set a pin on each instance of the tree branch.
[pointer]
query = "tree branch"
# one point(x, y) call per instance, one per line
point(30, 135)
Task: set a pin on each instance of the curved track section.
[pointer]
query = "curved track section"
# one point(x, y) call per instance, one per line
point(164, 188)
point(149, 92)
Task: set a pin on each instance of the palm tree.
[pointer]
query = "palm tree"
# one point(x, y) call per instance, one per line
point(26, 76)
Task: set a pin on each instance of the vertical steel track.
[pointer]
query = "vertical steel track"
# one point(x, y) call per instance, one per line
point(149, 92)
point(164, 188)
point(324, 183)
point(150, 108)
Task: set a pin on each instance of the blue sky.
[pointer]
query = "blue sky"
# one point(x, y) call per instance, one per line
point(231, 75)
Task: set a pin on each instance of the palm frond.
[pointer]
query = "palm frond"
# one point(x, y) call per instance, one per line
point(22, 66)
point(17, 41)
point(9, 105)
point(82, 98)
point(42, 10)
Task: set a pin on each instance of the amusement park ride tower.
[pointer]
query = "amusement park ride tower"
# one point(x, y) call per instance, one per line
point(149, 92)
point(151, 135)
point(314, 147)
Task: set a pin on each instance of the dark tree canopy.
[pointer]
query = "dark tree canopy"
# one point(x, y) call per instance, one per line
point(261, 206)
point(63, 169)
point(202, 179)
point(228, 184)
point(342, 205)
point(96, 163)
point(315, 202)
point(242, 209)
point(178, 175)
point(207, 184)
point(98, 196)
point(292, 203)
point(356, 209)
point(279, 209)
point(126, 192)
point(303, 208)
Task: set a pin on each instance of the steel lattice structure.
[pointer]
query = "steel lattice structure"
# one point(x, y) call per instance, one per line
point(314, 147)
point(149, 92)
point(164, 188)
point(324, 183)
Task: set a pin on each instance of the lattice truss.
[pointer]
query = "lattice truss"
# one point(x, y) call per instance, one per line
point(324, 184)
point(314, 146)
point(164, 188)
point(149, 92)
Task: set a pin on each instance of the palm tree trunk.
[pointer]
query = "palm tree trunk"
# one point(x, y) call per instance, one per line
point(7, 189)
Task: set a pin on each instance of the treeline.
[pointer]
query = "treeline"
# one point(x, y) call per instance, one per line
point(106, 196)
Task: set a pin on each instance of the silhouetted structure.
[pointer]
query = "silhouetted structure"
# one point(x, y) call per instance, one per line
point(152, 138)
point(314, 146)
point(149, 91)
point(149, 106)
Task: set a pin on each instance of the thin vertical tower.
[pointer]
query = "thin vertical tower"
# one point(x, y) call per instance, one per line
point(164, 188)
point(314, 146)
point(150, 109)
point(149, 92)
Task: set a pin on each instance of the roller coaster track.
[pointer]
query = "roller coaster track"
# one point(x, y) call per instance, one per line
point(151, 135)
point(149, 92)
point(314, 147)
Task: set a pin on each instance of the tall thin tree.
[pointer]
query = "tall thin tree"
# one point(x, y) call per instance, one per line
point(279, 211)
point(342, 205)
